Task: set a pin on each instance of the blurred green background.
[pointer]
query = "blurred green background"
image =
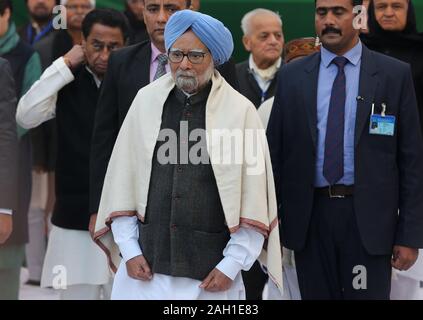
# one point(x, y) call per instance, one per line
point(297, 15)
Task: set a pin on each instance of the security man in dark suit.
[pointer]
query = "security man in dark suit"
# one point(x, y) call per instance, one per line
point(347, 152)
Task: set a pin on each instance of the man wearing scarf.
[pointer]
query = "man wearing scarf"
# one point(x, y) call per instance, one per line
point(393, 31)
point(186, 229)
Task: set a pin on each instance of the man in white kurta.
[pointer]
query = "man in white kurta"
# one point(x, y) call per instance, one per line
point(240, 191)
point(68, 91)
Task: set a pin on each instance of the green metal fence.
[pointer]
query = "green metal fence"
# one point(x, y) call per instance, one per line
point(298, 15)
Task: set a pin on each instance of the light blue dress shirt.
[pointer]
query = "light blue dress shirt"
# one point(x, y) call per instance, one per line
point(327, 75)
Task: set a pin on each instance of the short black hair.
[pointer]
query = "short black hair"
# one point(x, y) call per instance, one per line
point(57, 2)
point(188, 2)
point(5, 4)
point(107, 17)
point(354, 2)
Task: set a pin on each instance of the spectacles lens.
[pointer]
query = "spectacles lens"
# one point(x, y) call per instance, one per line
point(176, 56)
point(195, 57)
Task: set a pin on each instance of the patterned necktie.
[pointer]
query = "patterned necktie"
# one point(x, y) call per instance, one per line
point(161, 68)
point(333, 166)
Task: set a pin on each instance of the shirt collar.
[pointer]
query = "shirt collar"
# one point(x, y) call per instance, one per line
point(154, 52)
point(353, 56)
point(96, 79)
point(193, 99)
point(254, 67)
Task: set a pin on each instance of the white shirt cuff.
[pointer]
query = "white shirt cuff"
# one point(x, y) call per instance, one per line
point(229, 267)
point(6, 211)
point(64, 70)
point(130, 249)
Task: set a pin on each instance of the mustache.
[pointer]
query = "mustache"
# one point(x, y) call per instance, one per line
point(331, 30)
point(77, 17)
point(41, 6)
point(185, 73)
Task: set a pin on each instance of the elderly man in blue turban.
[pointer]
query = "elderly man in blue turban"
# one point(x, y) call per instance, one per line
point(183, 208)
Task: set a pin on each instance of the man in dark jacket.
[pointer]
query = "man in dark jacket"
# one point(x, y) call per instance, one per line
point(9, 266)
point(26, 69)
point(393, 31)
point(263, 38)
point(347, 155)
point(68, 91)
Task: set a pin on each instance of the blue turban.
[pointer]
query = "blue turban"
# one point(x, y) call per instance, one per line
point(215, 36)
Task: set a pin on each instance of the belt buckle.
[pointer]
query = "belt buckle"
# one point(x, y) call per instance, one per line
point(332, 196)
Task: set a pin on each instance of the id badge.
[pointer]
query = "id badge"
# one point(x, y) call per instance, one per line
point(382, 125)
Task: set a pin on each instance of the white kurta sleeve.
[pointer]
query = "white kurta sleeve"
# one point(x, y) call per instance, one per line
point(39, 103)
point(241, 252)
point(125, 233)
point(6, 211)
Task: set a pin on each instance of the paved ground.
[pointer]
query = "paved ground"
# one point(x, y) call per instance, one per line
point(34, 292)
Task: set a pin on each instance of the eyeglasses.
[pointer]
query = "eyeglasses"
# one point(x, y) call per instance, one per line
point(195, 57)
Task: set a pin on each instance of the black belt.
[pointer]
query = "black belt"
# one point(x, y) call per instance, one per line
point(336, 191)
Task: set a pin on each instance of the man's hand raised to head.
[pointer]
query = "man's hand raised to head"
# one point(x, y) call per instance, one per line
point(75, 57)
point(139, 269)
point(216, 281)
point(6, 226)
point(403, 258)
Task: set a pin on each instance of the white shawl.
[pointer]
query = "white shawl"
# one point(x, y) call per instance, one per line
point(248, 197)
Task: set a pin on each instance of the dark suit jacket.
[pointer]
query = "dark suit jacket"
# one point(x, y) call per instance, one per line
point(248, 86)
point(8, 139)
point(388, 170)
point(8, 146)
point(128, 72)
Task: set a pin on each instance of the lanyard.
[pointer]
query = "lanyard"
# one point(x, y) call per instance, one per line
point(43, 32)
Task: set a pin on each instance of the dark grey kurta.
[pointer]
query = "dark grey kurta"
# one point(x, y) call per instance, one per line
point(184, 233)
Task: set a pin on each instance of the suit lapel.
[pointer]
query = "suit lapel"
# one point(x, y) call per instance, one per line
point(310, 93)
point(367, 90)
point(142, 78)
point(253, 83)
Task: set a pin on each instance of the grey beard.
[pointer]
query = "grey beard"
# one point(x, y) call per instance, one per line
point(187, 83)
point(190, 83)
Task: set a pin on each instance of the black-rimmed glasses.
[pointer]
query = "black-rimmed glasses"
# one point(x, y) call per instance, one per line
point(195, 57)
